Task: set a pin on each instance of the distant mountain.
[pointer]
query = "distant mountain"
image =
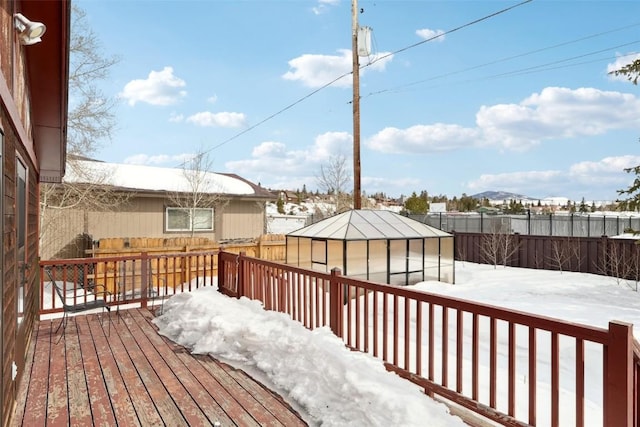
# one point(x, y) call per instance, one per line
point(502, 195)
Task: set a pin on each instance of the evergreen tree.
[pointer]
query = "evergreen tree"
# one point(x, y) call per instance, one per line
point(583, 207)
point(280, 205)
point(416, 205)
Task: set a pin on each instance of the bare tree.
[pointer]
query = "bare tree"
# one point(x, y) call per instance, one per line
point(619, 264)
point(91, 115)
point(91, 121)
point(333, 180)
point(563, 252)
point(201, 195)
point(499, 245)
point(86, 188)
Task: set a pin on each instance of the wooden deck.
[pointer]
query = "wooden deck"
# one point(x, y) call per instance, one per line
point(122, 372)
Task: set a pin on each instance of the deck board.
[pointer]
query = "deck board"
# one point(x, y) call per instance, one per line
point(122, 372)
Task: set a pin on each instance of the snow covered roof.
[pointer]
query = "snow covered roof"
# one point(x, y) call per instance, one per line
point(368, 224)
point(150, 178)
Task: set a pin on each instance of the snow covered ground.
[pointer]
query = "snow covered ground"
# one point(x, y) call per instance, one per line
point(332, 386)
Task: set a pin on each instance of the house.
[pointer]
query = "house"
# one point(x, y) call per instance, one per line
point(33, 117)
point(129, 201)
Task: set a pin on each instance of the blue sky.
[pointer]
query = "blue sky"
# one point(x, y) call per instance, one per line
point(520, 101)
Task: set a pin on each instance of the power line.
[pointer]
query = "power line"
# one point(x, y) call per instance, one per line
point(497, 61)
point(448, 32)
point(288, 107)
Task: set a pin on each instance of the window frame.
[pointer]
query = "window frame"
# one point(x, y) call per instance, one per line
point(191, 222)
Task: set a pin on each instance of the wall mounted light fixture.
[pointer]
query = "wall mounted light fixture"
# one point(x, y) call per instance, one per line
point(29, 32)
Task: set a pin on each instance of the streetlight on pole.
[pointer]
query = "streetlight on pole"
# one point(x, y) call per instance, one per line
point(357, 200)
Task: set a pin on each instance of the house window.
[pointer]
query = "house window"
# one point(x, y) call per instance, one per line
point(189, 219)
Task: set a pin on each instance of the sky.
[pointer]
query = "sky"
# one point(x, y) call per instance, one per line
point(455, 98)
point(327, 383)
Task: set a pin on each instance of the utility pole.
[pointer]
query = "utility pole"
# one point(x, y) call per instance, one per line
point(357, 201)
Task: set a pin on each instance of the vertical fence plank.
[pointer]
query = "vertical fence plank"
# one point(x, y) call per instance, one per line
point(579, 383)
point(532, 375)
point(335, 302)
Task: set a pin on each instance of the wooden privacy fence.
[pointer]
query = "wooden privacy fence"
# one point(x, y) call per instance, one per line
point(597, 255)
point(511, 367)
point(268, 246)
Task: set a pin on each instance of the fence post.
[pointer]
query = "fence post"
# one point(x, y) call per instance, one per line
point(335, 302)
point(221, 277)
point(618, 392)
point(144, 278)
point(241, 285)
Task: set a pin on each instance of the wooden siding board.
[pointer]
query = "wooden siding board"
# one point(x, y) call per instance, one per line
point(165, 405)
point(247, 401)
point(231, 399)
point(119, 399)
point(219, 411)
point(76, 367)
point(182, 370)
point(138, 394)
point(57, 401)
point(166, 371)
point(35, 392)
point(119, 361)
point(266, 398)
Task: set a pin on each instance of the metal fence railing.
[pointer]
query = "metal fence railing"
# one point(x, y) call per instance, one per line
point(573, 225)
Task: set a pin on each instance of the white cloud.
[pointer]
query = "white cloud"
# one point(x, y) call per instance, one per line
point(269, 149)
point(554, 113)
point(515, 180)
point(212, 99)
point(318, 70)
point(323, 6)
point(223, 119)
point(274, 159)
point(423, 138)
point(606, 165)
point(160, 88)
point(176, 118)
point(329, 144)
point(401, 185)
point(427, 34)
point(621, 61)
point(586, 178)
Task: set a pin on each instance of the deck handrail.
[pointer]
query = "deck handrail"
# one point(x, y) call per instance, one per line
point(457, 342)
point(138, 279)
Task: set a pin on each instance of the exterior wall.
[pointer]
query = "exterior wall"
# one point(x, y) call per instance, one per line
point(14, 339)
point(242, 220)
point(33, 106)
point(70, 232)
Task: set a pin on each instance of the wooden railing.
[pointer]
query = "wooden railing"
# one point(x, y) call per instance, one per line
point(126, 279)
point(481, 357)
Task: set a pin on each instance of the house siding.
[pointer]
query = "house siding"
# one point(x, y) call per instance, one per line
point(23, 131)
point(70, 232)
point(10, 273)
point(242, 220)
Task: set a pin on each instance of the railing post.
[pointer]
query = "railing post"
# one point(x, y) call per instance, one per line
point(618, 393)
point(221, 277)
point(335, 302)
point(240, 274)
point(144, 277)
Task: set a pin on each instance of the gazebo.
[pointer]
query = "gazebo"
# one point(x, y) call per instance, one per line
point(376, 245)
